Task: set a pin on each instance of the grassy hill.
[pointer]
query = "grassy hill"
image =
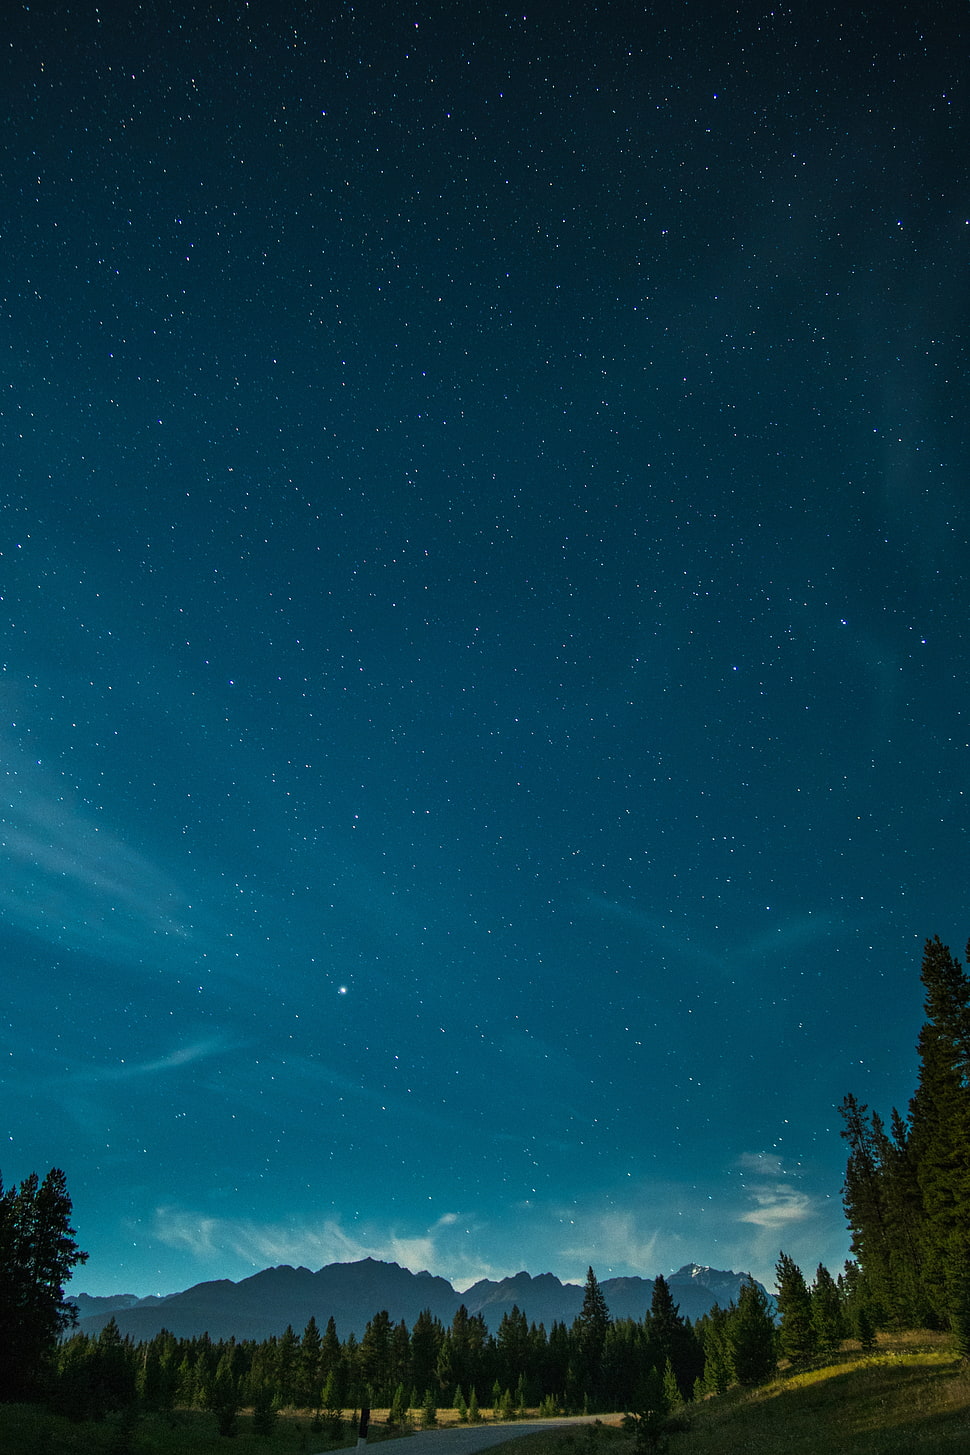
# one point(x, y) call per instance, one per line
point(911, 1396)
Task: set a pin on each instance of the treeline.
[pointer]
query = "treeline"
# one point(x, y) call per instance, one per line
point(597, 1363)
point(907, 1187)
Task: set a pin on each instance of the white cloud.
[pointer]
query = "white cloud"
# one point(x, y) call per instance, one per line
point(775, 1200)
point(316, 1244)
point(777, 1206)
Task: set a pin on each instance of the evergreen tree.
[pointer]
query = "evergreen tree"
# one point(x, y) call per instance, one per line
point(939, 1117)
point(399, 1371)
point(589, 1337)
point(751, 1332)
point(512, 1345)
point(307, 1376)
point(648, 1411)
point(625, 1353)
point(427, 1337)
point(375, 1358)
point(264, 1410)
point(671, 1389)
point(797, 1336)
point(718, 1368)
point(287, 1366)
point(37, 1255)
point(398, 1412)
point(461, 1359)
point(331, 1353)
point(828, 1314)
point(960, 1313)
point(865, 1328)
point(332, 1402)
point(863, 1197)
point(671, 1337)
point(429, 1411)
point(907, 1194)
point(112, 1371)
point(222, 1395)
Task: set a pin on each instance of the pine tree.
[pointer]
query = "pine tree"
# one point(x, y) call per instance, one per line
point(589, 1335)
point(398, 1412)
point(798, 1338)
point(672, 1394)
point(865, 1328)
point(512, 1345)
point(828, 1314)
point(112, 1371)
point(332, 1402)
point(907, 1193)
point(671, 1337)
point(264, 1410)
point(375, 1358)
point(427, 1337)
point(751, 1332)
point(648, 1411)
point(223, 1395)
point(307, 1377)
point(864, 1200)
point(718, 1368)
point(429, 1411)
point(939, 1117)
point(287, 1366)
point(37, 1255)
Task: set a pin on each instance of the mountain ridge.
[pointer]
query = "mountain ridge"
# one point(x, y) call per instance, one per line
point(266, 1302)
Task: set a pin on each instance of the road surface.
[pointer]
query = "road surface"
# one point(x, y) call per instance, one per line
point(467, 1439)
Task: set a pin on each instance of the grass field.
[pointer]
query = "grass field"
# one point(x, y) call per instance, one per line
point(910, 1397)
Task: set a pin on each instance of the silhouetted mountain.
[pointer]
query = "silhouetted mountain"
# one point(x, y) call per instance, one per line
point(88, 1306)
point(353, 1293)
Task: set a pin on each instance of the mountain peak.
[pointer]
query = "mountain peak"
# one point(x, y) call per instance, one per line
point(352, 1293)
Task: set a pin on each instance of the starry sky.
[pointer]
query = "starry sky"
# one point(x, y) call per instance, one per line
point(484, 627)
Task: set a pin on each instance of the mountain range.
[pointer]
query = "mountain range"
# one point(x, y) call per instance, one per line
point(352, 1293)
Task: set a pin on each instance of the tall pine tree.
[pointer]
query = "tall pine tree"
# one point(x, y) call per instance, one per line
point(37, 1255)
point(589, 1336)
point(797, 1335)
point(939, 1116)
point(907, 1193)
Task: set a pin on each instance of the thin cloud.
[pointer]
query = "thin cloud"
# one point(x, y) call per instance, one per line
point(184, 1055)
point(778, 1206)
point(313, 1245)
point(73, 881)
point(615, 1239)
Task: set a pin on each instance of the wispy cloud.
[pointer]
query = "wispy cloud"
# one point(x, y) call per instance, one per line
point(775, 1200)
point(789, 935)
point(316, 1244)
point(617, 1238)
point(777, 1206)
point(74, 881)
point(184, 1055)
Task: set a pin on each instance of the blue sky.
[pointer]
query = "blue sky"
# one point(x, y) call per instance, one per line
point(484, 628)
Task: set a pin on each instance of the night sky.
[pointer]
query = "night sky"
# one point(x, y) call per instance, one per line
point(484, 628)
